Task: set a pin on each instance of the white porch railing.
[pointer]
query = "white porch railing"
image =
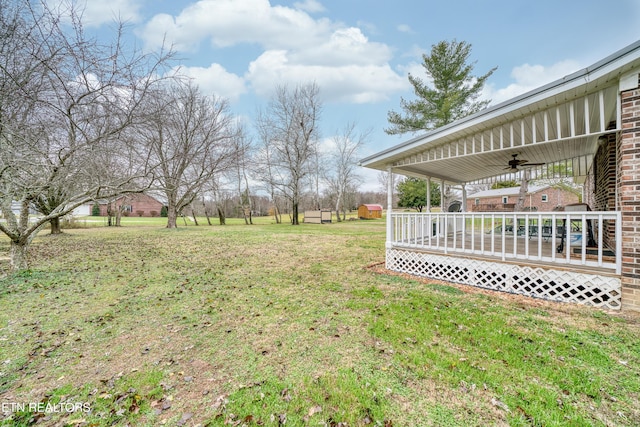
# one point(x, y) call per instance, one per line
point(594, 239)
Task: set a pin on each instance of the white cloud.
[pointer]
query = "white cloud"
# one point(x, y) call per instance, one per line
point(529, 77)
point(216, 80)
point(95, 13)
point(345, 46)
point(404, 28)
point(346, 83)
point(230, 22)
point(310, 6)
point(345, 64)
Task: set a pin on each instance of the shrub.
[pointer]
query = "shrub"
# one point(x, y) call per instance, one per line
point(95, 210)
point(154, 213)
point(139, 213)
point(163, 212)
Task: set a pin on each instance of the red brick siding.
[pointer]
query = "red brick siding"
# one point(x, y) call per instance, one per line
point(555, 197)
point(600, 187)
point(629, 198)
point(138, 202)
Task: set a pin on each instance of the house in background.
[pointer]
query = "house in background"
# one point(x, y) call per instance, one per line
point(585, 126)
point(539, 198)
point(134, 204)
point(369, 211)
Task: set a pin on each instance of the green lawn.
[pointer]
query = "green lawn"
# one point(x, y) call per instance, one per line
point(279, 325)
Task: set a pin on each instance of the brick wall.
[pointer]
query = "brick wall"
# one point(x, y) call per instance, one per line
point(138, 203)
point(628, 157)
point(555, 197)
point(600, 186)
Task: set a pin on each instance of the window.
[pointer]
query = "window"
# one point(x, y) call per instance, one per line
point(477, 201)
point(505, 200)
point(127, 208)
point(545, 198)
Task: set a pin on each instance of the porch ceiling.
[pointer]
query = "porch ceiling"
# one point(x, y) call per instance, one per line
point(557, 123)
point(493, 165)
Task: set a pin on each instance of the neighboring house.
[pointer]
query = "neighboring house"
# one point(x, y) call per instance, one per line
point(82, 210)
point(543, 198)
point(16, 208)
point(584, 126)
point(135, 204)
point(369, 211)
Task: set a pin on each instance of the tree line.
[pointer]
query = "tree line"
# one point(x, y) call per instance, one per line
point(83, 121)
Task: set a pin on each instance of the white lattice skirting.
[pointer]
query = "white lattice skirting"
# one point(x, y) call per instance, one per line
point(538, 282)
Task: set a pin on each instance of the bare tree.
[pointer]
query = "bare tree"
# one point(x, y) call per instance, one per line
point(264, 170)
point(189, 136)
point(289, 133)
point(242, 147)
point(342, 175)
point(66, 103)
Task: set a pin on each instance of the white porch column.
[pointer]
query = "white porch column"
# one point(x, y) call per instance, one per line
point(429, 194)
point(464, 199)
point(389, 207)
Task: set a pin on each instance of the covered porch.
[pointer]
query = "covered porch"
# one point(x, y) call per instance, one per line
point(571, 128)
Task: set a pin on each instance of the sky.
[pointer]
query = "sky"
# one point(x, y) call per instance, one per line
point(360, 52)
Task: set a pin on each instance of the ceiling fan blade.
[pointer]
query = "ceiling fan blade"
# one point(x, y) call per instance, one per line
point(533, 164)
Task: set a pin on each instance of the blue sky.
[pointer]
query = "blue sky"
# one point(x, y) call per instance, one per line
point(359, 52)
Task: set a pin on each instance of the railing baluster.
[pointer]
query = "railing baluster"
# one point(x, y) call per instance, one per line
point(408, 230)
point(514, 231)
point(567, 232)
point(553, 237)
point(504, 237)
point(473, 233)
point(455, 231)
point(600, 233)
point(526, 236)
point(493, 234)
point(539, 233)
point(482, 233)
point(584, 239)
point(446, 233)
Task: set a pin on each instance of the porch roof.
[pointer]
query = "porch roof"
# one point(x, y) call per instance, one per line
point(559, 123)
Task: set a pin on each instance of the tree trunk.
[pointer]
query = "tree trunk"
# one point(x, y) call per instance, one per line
point(338, 207)
point(172, 216)
point(118, 216)
point(276, 213)
point(55, 225)
point(294, 218)
point(193, 213)
point(221, 217)
point(18, 254)
point(206, 212)
point(244, 215)
point(109, 215)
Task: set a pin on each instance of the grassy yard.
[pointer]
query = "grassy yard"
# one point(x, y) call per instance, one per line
point(269, 325)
